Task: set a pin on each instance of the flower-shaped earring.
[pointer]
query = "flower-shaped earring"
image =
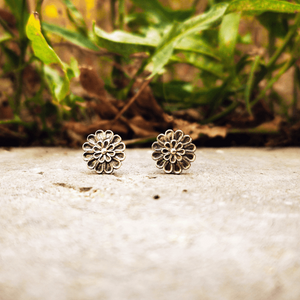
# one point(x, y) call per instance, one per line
point(173, 151)
point(103, 151)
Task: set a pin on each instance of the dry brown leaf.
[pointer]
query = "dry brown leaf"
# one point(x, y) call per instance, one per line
point(141, 127)
point(8, 17)
point(76, 139)
point(288, 136)
point(94, 85)
point(31, 79)
point(9, 136)
point(91, 82)
point(105, 110)
point(146, 105)
point(195, 129)
point(241, 119)
point(271, 126)
point(190, 114)
point(79, 128)
point(6, 112)
point(146, 116)
point(267, 127)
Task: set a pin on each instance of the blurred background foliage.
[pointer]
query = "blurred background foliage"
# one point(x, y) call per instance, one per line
point(225, 72)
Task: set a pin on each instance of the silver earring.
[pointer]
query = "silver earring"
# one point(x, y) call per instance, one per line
point(104, 151)
point(173, 151)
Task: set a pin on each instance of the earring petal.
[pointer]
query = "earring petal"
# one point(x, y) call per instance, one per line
point(103, 151)
point(173, 151)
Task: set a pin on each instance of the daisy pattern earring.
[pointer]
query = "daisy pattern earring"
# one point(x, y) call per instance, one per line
point(104, 151)
point(173, 151)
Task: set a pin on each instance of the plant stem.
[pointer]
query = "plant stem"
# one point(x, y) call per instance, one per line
point(287, 39)
point(286, 66)
point(132, 81)
point(23, 43)
point(271, 46)
point(121, 12)
point(39, 7)
point(222, 114)
point(253, 130)
point(16, 120)
point(249, 85)
point(130, 102)
point(270, 65)
point(218, 96)
point(19, 76)
point(113, 13)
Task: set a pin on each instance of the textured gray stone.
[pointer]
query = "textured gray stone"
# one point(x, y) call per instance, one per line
point(228, 228)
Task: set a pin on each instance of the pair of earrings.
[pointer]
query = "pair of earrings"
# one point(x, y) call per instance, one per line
point(173, 152)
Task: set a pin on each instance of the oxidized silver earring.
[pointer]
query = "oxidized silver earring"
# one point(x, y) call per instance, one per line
point(103, 151)
point(173, 151)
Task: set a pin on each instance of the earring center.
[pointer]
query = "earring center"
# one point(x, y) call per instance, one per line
point(173, 151)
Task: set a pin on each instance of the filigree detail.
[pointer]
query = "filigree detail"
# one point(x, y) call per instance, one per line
point(103, 151)
point(173, 151)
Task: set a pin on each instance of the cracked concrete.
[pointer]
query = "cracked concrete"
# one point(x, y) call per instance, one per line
point(228, 228)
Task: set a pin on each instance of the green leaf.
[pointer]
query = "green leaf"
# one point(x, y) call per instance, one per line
point(40, 46)
point(174, 91)
point(71, 36)
point(15, 7)
point(259, 6)
point(180, 30)
point(76, 18)
point(5, 37)
point(125, 43)
point(165, 49)
point(203, 21)
point(245, 39)
point(121, 14)
point(219, 94)
point(122, 42)
point(162, 14)
point(138, 21)
point(249, 84)
point(276, 23)
point(74, 67)
point(201, 62)
point(228, 34)
point(59, 85)
point(195, 43)
point(181, 93)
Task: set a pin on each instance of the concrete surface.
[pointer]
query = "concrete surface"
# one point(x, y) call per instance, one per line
point(228, 228)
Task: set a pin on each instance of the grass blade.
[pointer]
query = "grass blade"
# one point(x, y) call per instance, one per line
point(259, 6)
point(249, 85)
point(75, 17)
point(162, 14)
point(71, 36)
